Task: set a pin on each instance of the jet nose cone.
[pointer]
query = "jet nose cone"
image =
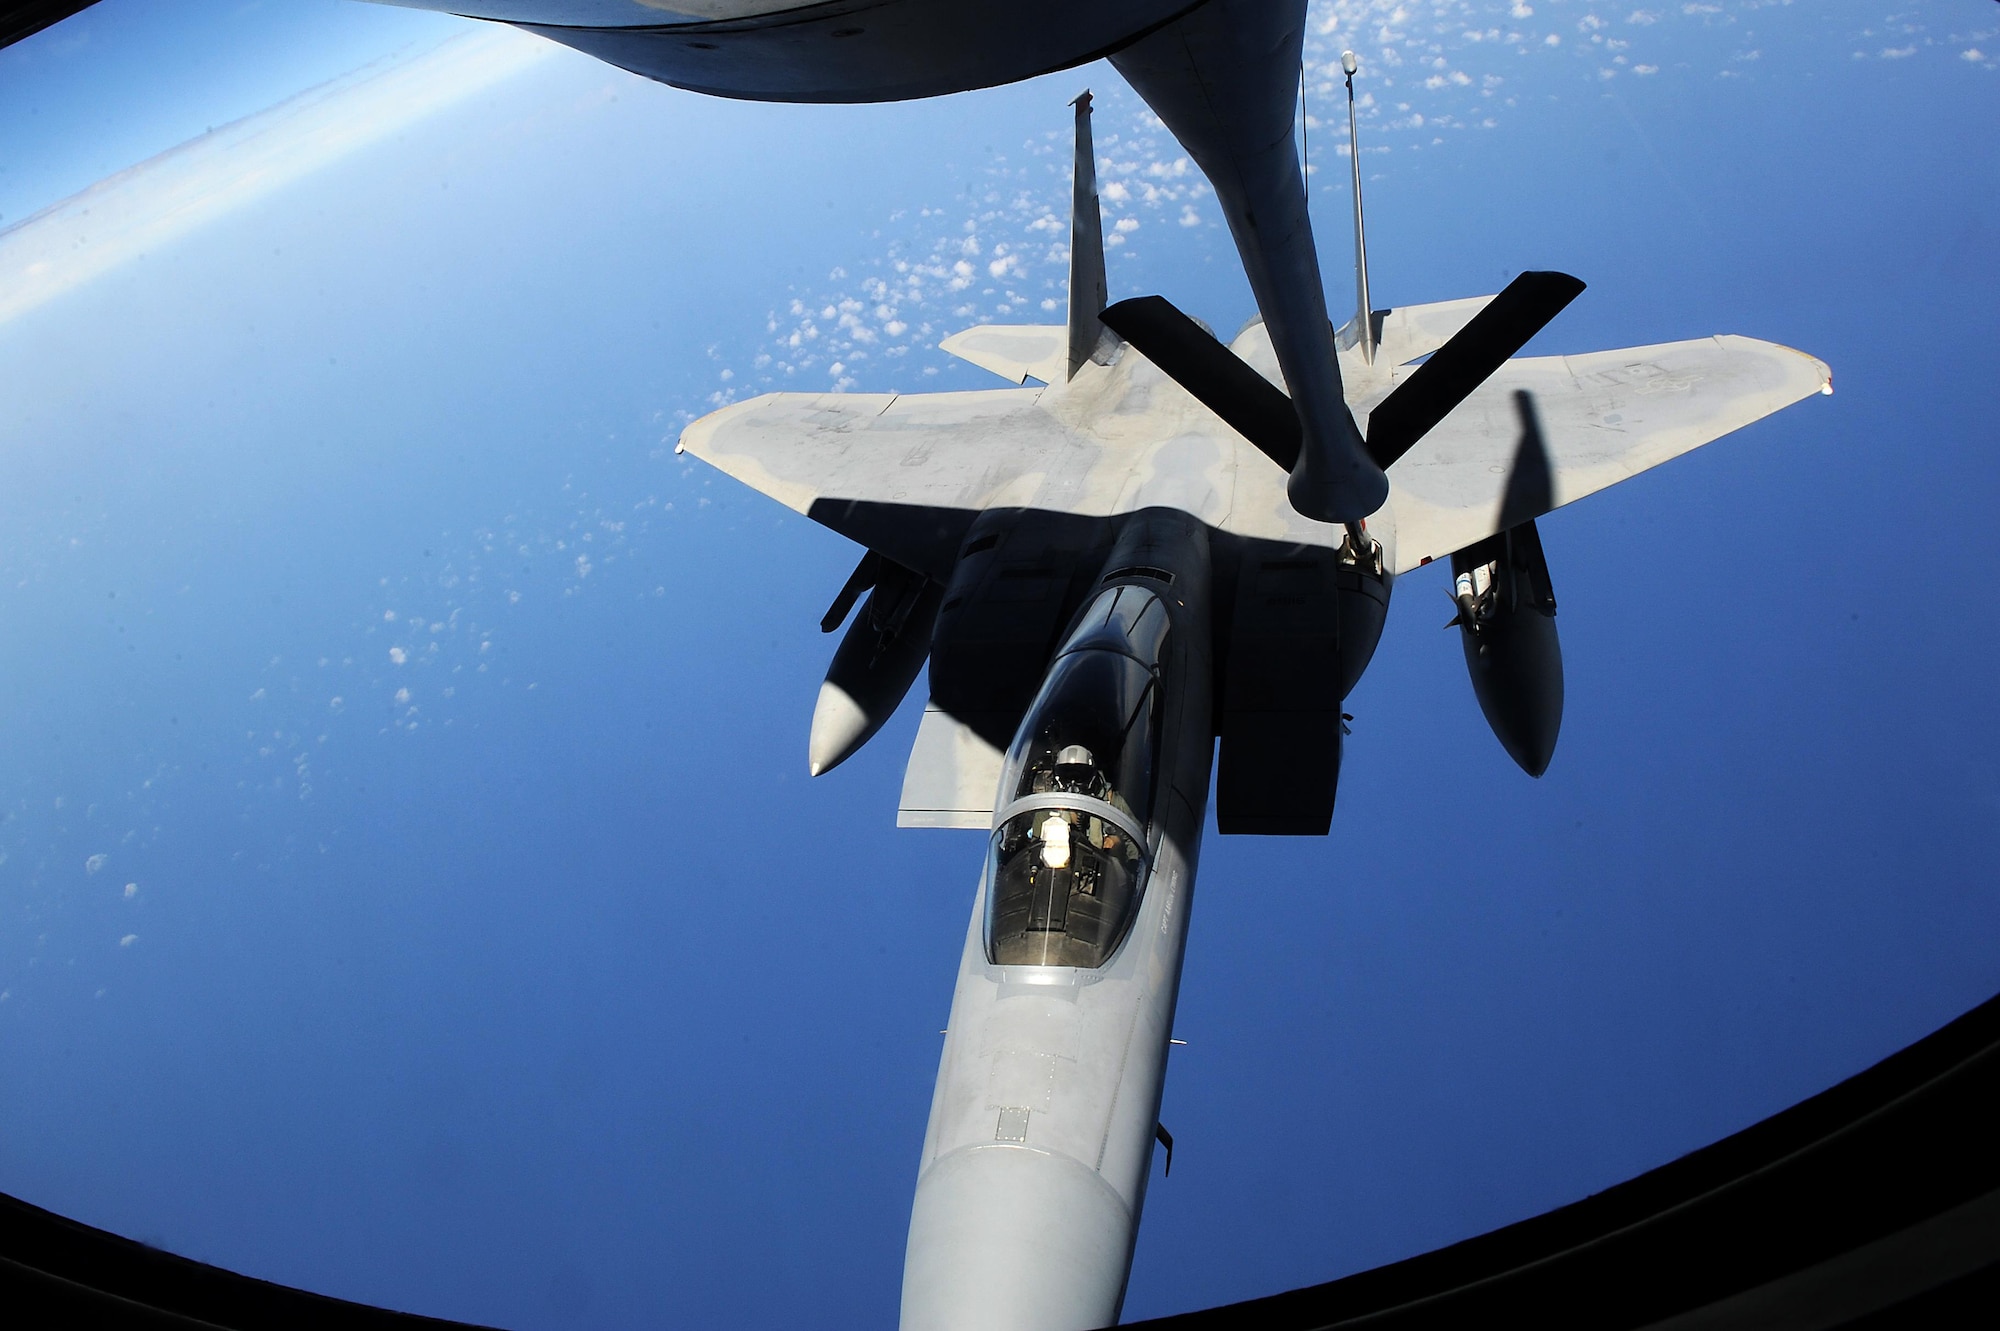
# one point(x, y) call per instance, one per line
point(1006, 1238)
point(839, 727)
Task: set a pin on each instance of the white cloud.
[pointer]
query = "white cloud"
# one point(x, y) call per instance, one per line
point(398, 655)
point(95, 862)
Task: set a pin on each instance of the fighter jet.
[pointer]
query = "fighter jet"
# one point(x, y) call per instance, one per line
point(1163, 542)
point(1109, 569)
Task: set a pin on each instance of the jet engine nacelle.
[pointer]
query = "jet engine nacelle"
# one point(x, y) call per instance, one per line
point(1303, 623)
point(877, 661)
point(1507, 625)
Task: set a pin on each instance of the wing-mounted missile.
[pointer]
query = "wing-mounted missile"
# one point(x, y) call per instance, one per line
point(876, 662)
point(1507, 609)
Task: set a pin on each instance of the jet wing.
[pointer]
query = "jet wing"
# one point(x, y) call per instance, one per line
point(900, 474)
point(1602, 417)
point(906, 477)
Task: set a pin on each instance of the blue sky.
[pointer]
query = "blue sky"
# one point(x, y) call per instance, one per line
point(487, 952)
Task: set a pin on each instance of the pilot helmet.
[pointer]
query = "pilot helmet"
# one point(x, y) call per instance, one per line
point(1074, 755)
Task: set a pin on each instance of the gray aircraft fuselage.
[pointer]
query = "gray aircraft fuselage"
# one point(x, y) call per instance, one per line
point(1044, 1119)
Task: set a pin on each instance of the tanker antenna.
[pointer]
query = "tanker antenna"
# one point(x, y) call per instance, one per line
point(1364, 316)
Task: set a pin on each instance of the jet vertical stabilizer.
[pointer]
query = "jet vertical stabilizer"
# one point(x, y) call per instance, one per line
point(1364, 315)
point(1088, 338)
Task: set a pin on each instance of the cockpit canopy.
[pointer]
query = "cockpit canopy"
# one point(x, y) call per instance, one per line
point(1090, 734)
point(1068, 862)
point(1064, 885)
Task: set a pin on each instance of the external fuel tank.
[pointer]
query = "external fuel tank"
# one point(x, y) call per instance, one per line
point(1507, 625)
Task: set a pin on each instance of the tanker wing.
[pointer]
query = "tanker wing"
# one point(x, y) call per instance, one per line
point(1605, 416)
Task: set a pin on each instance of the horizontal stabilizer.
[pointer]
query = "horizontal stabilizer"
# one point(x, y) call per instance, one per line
point(952, 777)
point(1214, 375)
point(1410, 331)
point(1016, 352)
